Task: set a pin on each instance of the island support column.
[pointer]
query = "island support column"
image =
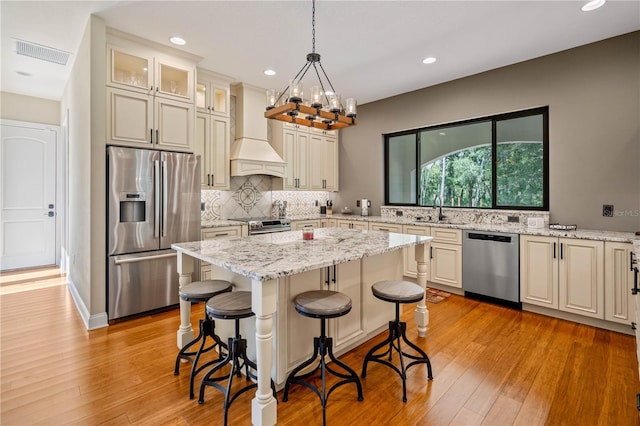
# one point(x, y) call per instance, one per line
point(185, 331)
point(421, 312)
point(263, 305)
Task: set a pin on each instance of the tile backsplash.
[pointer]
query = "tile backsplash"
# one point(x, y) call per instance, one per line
point(251, 196)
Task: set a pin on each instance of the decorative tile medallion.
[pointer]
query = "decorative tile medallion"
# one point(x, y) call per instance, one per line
point(247, 196)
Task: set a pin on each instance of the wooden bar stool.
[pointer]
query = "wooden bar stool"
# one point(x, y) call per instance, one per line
point(201, 291)
point(397, 292)
point(235, 306)
point(322, 304)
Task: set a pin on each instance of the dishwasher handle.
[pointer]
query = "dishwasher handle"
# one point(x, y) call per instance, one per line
point(489, 237)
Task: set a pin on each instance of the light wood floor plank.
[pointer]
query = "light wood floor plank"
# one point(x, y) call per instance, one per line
point(491, 365)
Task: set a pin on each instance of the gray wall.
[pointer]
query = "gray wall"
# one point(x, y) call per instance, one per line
point(593, 94)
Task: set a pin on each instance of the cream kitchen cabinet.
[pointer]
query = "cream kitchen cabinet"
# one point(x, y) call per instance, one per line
point(297, 225)
point(220, 232)
point(213, 93)
point(581, 277)
point(446, 257)
point(388, 227)
point(150, 101)
point(618, 281)
point(327, 223)
point(323, 164)
point(291, 142)
point(139, 68)
point(352, 224)
point(409, 253)
point(539, 271)
point(345, 278)
point(213, 145)
point(368, 315)
point(147, 121)
point(563, 273)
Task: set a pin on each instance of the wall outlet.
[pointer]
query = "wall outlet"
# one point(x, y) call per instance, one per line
point(398, 212)
point(201, 207)
point(513, 219)
point(607, 210)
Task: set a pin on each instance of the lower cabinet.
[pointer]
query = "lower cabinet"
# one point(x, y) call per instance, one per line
point(563, 273)
point(352, 224)
point(297, 225)
point(446, 257)
point(368, 315)
point(327, 223)
point(220, 232)
point(618, 281)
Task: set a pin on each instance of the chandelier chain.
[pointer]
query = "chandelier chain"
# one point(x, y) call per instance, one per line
point(313, 27)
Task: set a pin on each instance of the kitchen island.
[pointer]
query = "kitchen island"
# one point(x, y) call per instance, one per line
point(277, 266)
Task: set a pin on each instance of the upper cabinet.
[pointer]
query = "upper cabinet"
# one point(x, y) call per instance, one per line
point(150, 97)
point(140, 69)
point(291, 142)
point(212, 93)
point(323, 169)
point(213, 132)
point(311, 156)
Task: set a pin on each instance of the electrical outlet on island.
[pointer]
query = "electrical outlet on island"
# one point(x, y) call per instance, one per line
point(607, 210)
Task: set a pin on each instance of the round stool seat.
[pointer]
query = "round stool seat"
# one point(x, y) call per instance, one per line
point(322, 304)
point(233, 305)
point(398, 291)
point(201, 291)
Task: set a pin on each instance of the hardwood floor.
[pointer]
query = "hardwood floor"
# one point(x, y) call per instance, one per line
point(491, 365)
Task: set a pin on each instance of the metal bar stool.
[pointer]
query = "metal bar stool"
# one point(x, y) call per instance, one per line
point(235, 306)
point(322, 304)
point(397, 292)
point(201, 291)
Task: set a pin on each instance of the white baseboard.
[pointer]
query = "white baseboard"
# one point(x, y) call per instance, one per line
point(91, 322)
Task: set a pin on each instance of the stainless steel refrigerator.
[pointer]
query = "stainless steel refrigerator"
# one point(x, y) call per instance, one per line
point(153, 201)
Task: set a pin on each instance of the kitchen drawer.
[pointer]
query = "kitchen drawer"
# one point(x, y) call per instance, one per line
point(389, 227)
point(297, 225)
point(446, 235)
point(223, 231)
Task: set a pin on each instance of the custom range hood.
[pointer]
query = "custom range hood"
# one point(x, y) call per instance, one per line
point(251, 152)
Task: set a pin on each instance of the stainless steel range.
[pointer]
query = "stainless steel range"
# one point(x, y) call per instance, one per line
point(267, 225)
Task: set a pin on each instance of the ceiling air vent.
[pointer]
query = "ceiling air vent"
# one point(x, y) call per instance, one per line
point(43, 53)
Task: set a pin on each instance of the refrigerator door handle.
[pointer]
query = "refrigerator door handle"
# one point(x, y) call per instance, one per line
point(142, 259)
point(156, 196)
point(165, 196)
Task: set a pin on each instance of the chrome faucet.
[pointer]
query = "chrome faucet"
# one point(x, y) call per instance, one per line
point(437, 200)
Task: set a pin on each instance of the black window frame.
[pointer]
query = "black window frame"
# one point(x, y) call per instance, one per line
point(543, 111)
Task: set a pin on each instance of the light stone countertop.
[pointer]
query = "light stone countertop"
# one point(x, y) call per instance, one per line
point(584, 234)
point(269, 256)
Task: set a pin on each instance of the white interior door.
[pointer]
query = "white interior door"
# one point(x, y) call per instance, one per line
point(27, 197)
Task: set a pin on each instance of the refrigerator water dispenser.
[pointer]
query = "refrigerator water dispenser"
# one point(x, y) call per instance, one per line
point(132, 207)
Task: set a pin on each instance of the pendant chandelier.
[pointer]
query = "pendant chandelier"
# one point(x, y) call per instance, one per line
point(322, 108)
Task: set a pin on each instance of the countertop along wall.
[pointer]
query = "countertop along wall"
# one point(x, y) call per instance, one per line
point(593, 93)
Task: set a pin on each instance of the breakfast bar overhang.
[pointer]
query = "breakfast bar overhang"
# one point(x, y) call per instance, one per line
point(269, 262)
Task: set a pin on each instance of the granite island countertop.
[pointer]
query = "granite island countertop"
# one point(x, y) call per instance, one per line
point(269, 256)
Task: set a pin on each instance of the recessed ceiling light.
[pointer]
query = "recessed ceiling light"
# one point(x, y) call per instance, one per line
point(429, 60)
point(593, 5)
point(269, 72)
point(177, 40)
point(24, 73)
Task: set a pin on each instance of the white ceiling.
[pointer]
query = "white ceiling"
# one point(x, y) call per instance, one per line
point(370, 49)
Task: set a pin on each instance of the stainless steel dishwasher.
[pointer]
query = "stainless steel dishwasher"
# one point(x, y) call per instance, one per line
point(491, 266)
